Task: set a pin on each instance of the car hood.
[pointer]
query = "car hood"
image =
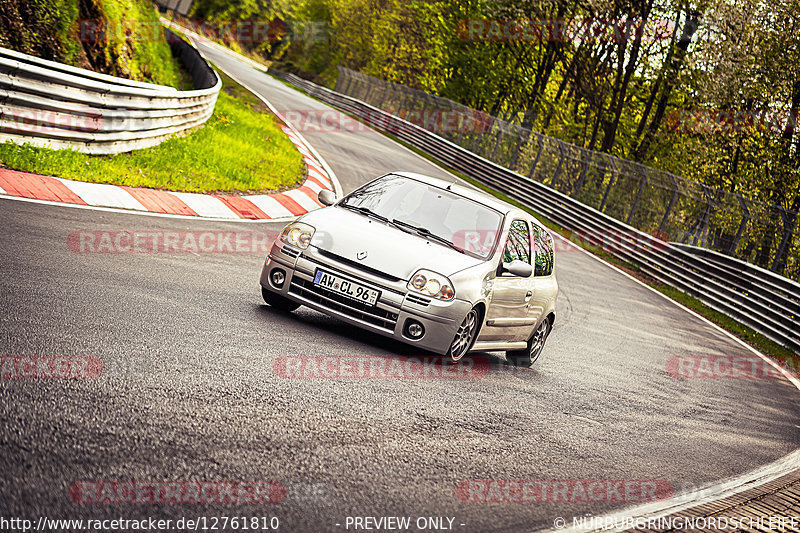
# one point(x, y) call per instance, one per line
point(388, 249)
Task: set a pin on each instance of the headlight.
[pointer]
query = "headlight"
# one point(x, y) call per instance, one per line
point(432, 284)
point(297, 234)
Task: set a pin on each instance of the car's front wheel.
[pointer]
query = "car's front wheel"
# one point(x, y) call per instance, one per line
point(465, 335)
point(277, 301)
point(531, 354)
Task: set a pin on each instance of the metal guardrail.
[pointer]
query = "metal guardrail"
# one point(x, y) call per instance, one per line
point(652, 200)
point(760, 299)
point(57, 106)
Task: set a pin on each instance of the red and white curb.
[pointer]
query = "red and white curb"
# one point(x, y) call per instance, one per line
point(284, 205)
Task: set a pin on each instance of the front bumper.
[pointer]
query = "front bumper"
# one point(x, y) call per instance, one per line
point(390, 314)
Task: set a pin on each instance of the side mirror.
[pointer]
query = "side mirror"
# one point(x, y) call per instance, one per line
point(326, 197)
point(518, 268)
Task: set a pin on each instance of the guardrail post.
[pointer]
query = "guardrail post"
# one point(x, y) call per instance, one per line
point(638, 194)
point(500, 134)
point(348, 89)
point(361, 87)
point(521, 134)
point(557, 173)
point(670, 205)
point(611, 180)
point(742, 225)
point(383, 96)
point(585, 157)
point(339, 87)
point(789, 223)
point(462, 125)
point(402, 111)
point(702, 224)
point(538, 155)
point(480, 135)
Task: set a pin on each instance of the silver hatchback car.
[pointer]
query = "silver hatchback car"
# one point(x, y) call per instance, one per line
point(424, 261)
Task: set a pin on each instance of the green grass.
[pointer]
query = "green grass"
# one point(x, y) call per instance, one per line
point(786, 356)
point(241, 149)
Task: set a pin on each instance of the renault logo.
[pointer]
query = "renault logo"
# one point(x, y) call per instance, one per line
point(361, 255)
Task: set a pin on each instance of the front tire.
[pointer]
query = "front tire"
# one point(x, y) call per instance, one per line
point(465, 336)
point(532, 353)
point(278, 302)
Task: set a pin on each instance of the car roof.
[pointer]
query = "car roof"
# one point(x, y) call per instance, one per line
point(471, 193)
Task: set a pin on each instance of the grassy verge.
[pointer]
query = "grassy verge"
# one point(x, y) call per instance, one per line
point(240, 149)
point(786, 356)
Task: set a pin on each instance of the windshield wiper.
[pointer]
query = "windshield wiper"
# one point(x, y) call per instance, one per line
point(425, 232)
point(365, 211)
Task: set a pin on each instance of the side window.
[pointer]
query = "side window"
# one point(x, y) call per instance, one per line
point(518, 245)
point(544, 252)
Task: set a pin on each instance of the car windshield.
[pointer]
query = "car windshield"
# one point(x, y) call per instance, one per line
point(445, 217)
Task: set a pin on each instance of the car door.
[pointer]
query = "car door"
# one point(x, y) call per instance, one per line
point(507, 315)
point(543, 279)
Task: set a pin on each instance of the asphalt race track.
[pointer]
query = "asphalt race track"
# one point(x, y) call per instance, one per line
point(188, 391)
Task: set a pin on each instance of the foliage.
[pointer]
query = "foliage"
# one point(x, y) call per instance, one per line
point(40, 27)
point(118, 37)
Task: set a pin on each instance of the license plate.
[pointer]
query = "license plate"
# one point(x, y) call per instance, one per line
point(345, 287)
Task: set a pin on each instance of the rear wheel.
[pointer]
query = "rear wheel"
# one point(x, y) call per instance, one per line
point(531, 354)
point(277, 301)
point(465, 335)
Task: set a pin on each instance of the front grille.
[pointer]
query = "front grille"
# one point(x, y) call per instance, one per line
point(336, 302)
point(419, 300)
point(290, 252)
point(357, 265)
